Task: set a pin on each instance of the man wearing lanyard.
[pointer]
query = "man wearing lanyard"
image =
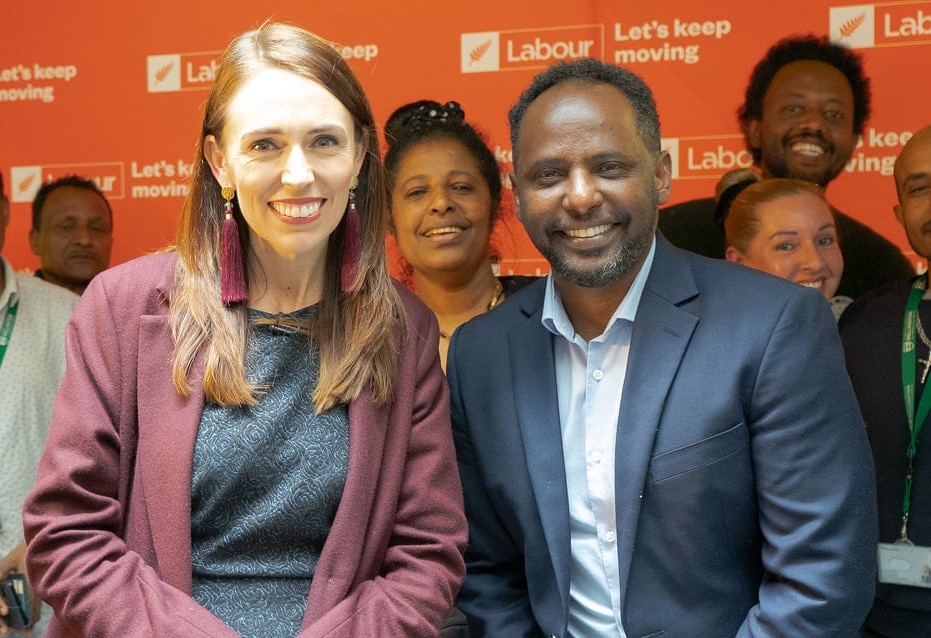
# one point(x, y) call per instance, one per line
point(33, 315)
point(885, 335)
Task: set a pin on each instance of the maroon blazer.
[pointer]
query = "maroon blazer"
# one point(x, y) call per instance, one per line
point(108, 523)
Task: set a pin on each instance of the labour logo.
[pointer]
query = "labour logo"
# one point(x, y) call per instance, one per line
point(164, 73)
point(25, 181)
point(854, 26)
point(481, 52)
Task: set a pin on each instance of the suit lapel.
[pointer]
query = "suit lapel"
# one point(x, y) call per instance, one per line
point(345, 549)
point(168, 426)
point(660, 336)
point(534, 373)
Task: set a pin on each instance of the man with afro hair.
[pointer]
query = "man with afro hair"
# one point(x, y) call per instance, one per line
point(806, 103)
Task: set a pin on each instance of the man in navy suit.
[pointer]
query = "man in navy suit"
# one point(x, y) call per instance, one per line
point(651, 443)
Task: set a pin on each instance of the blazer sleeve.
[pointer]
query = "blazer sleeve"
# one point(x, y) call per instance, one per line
point(422, 565)
point(74, 515)
point(814, 482)
point(494, 595)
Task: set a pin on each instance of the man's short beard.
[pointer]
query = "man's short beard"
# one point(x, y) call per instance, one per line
point(781, 169)
point(630, 254)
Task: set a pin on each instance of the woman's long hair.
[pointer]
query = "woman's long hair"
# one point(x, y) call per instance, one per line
point(356, 332)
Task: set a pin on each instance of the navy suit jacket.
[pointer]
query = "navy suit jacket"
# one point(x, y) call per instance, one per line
point(745, 493)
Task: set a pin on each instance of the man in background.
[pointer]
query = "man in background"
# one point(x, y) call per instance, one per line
point(806, 103)
point(72, 232)
point(650, 443)
point(33, 315)
point(885, 335)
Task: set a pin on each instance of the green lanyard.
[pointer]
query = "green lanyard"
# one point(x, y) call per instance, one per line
point(916, 419)
point(7, 328)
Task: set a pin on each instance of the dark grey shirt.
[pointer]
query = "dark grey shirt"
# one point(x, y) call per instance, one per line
point(267, 481)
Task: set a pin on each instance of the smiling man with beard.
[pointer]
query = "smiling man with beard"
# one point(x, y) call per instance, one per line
point(647, 442)
point(806, 103)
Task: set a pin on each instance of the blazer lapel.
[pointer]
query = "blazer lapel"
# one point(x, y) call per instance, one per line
point(534, 373)
point(660, 335)
point(345, 549)
point(168, 426)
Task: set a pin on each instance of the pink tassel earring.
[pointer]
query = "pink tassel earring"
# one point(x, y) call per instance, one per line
point(351, 243)
point(232, 276)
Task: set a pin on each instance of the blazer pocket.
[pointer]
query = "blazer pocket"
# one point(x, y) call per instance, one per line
point(700, 454)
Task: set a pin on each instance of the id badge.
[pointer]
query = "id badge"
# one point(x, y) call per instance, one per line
point(905, 564)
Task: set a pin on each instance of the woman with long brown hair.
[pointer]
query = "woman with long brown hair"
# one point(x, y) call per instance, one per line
point(252, 437)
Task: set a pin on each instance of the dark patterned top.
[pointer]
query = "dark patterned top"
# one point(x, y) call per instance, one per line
point(266, 483)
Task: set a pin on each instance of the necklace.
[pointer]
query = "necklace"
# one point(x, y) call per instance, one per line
point(927, 342)
point(300, 321)
point(499, 293)
point(495, 300)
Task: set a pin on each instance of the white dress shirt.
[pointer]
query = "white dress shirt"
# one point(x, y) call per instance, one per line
point(590, 381)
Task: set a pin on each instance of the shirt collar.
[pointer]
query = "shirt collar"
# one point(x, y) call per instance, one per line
point(10, 292)
point(557, 321)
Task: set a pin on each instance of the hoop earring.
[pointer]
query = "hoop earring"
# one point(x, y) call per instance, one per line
point(233, 288)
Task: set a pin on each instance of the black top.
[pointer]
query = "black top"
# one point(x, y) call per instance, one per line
point(513, 283)
point(870, 260)
point(871, 330)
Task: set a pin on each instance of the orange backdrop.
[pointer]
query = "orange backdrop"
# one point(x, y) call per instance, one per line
point(114, 90)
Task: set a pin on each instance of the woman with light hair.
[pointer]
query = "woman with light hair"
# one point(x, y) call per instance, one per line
point(786, 228)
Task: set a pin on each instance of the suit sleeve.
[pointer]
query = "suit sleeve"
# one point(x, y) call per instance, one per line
point(494, 595)
point(814, 483)
point(74, 516)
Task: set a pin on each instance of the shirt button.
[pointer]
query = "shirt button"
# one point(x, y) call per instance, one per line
point(609, 537)
point(598, 375)
point(596, 457)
